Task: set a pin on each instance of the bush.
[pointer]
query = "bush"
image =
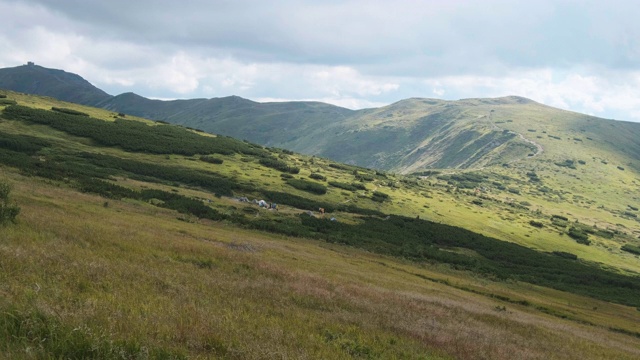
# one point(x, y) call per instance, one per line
point(566, 255)
point(69, 111)
point(211, 159)
point(8, 210)
point(317, 176)
point(379, 196)
point(132, 135)
point(536, 224)
point(631, 249)
point(559, 217)
point(279, 165)
point(579, 235)
point(7, 102)
point(308, 186)
point(350, 187)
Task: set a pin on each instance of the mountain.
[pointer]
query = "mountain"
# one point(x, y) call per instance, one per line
point(59, 84)
point(411, 135)
point(269, 124)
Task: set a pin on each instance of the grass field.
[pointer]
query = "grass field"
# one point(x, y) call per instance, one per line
point(84, 276)
point(132, 278)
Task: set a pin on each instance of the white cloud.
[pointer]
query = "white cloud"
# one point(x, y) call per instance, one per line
point(353, 53)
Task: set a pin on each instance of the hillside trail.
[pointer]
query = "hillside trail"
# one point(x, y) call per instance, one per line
point(539, 148)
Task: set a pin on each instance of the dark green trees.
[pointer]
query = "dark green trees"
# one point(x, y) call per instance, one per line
point(8, 210)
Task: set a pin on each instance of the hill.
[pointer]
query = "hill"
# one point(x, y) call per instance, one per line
point(59, 84)
point(409, 136)
point(128, 225)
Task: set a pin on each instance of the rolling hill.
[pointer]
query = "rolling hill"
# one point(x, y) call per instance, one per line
point(134, 240)
point(409, 136)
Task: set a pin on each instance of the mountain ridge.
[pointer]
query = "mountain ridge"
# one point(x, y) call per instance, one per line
point(410, 135)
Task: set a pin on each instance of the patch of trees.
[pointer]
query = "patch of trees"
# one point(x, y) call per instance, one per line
point(279, 165)
point(169, 200)
point(579, 235)
point(211, 160)
point(363, 177)
point(7, 102)
point(133, 135)
point(9, 210)
point(317, 176)
point(566, 255)
point(571, 164)
point(69, 111)
point(22, 143)
point(308, 186)
point(347, 186)
point(631, 249)
point(426, 173)
point(537, 224)
point(464, 180)
point(379, 196)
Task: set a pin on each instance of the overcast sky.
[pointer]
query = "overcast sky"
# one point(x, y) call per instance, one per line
point(576, 55)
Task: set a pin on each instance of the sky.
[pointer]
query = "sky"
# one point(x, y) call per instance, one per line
point(582, 56)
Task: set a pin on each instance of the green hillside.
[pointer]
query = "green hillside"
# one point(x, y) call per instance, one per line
point(38, 80)
point(411, 135)
point(134, 240)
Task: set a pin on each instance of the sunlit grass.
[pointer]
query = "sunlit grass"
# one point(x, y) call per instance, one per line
point(132, 278)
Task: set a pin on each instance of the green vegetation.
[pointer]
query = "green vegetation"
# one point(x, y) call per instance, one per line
point(279, 165)
point(212, 160)
point(69, 111)
point(631, 249)
point(309, 186)
point(317, 176)
point(172, 244)
point(4, 102)
point(133, 135)
point(346, 186)
point(8, 209)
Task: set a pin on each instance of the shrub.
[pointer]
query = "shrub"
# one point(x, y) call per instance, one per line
point(132, 135)
point(8, 210)
point(344, 186)
point(317, 176)
point(537, 224)
point(379, 196)
point(631, 248)
point(566, 255)
point(308, 186)
point(211, 159)
point(7, 102)
point(579, 235)
point(69, 111)
point(274, 163)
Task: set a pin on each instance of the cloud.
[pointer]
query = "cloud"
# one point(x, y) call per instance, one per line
point(581, 56)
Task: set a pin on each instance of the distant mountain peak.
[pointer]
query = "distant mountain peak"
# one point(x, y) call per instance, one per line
point(59, 84)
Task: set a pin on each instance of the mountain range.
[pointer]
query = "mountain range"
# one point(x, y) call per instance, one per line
point(408, 136)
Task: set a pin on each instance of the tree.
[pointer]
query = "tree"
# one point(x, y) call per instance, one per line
point(8, 210)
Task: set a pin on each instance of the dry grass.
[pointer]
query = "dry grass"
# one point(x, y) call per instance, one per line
point(132, 272)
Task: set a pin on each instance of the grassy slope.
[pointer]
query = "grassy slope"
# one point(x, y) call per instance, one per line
point(131, 273)
point(345, 300)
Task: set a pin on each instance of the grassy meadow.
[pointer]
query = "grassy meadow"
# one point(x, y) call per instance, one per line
point(83, 280)
point(149, 254)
